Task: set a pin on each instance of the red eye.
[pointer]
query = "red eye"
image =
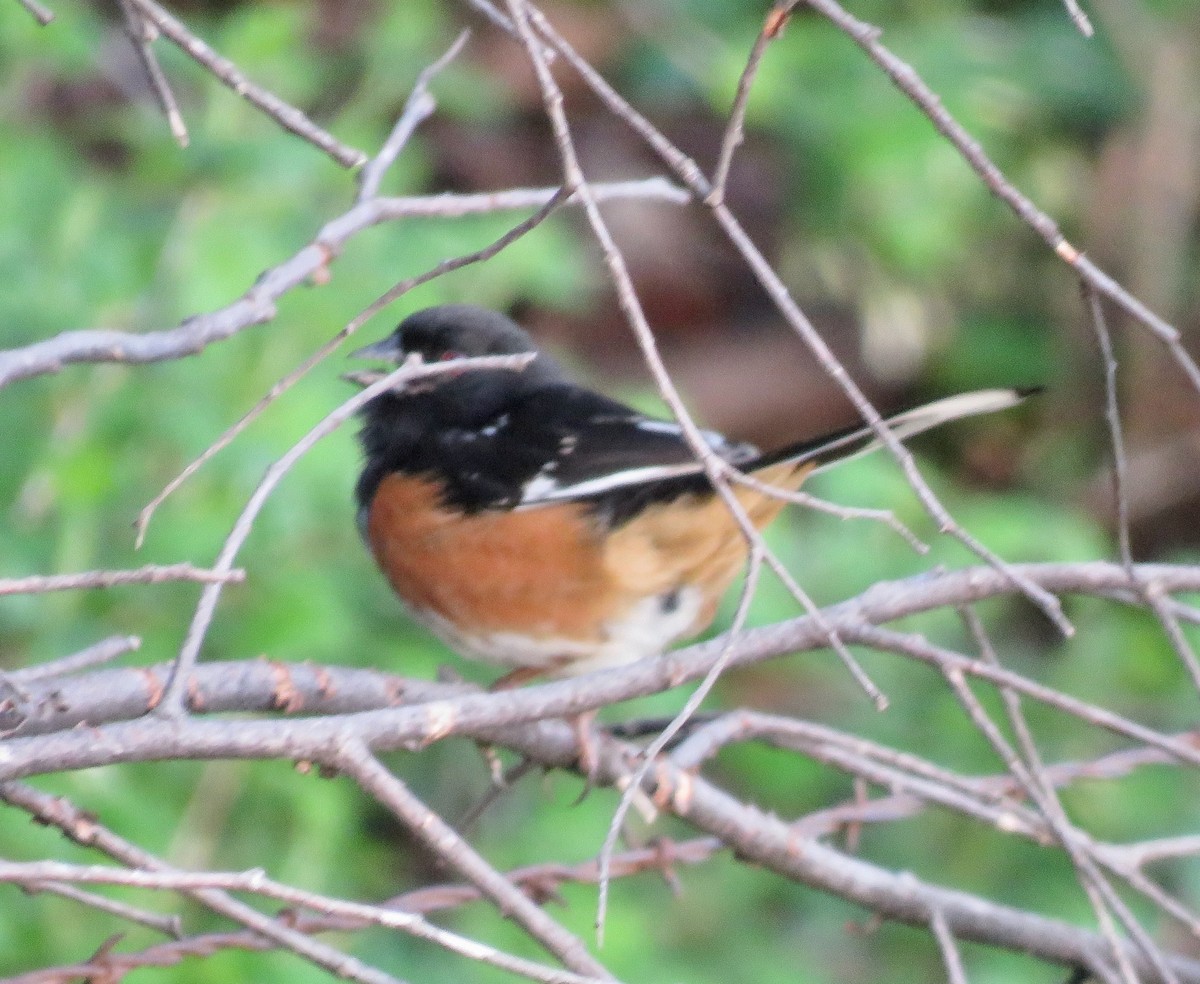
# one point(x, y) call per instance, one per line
point(447, 356)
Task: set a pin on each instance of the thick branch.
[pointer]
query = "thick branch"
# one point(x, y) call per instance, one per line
point(481, 715)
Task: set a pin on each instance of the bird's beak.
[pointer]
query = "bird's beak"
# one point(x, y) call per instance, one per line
point(385, 350)
point(388, 349)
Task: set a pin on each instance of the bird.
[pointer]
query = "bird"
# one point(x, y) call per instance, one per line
point(540, 526)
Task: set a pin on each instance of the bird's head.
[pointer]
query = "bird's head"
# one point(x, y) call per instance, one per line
point(445, 335)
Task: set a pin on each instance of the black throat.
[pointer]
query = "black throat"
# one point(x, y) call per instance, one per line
point(436, 427)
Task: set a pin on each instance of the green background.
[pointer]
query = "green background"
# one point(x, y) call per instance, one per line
point(105, 223)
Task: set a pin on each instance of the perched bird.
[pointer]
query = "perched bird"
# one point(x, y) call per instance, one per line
point(540, 526)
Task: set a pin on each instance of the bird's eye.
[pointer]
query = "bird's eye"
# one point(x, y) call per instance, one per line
point(447, 356)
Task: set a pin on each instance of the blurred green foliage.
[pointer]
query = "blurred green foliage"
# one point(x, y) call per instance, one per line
point(105, 223)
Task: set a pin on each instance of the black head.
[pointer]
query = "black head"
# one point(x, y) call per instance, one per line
point(448, 332)
point(461, 331)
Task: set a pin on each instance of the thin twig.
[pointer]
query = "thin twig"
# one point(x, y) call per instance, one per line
point(84, 829)
point(538, 880)
point(914, 780)
point(355, 758)
point(952, 959)
point(1111, 858)
point(141, 35)
point(1162, 848)
point(761, 838)
point(257, 882)
point(226, 72)
point(102, 652)
point(418, 108)
point(42, 14)
point(866, 36)
point(1150, 593)
point(845, 513)
point(501, 20)
point(1112, 414)
point(1065, 833)
point(651, 752)
point(167, 925)
point(1030, 771)
point(308, 265)
point(149, 574)
point(499, 785)
point(998, 789)
point(1079, 18)
point(953, 663)
point(735, 131)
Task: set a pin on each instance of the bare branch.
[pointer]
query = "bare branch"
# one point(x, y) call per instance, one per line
point(866, 36)
point(998, 789)
point(341, 719)
point(950, 662)
point(41, 13)
point(1081, 20)
point(1112, 415)
point(1149, 592)
point(538, 880)
point(1100, 894)
point(765, 840)
point(257, 305)
point(84, 829)
point(167, 925)
point(356, 760)
point(735, 128)
point(256, 881)
point(419, 107)
point(152, 738)
point(955, 973)
point(808, 501)
point(150, 574)
point(141, 35)
point(650, 754)
point(104, 651)
point(226, 72)
point(914, 782)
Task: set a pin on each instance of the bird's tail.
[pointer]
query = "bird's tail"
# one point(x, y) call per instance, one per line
point(833, 449)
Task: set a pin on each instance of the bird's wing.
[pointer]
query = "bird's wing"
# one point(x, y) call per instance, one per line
point(602, 446)
point(565, 443)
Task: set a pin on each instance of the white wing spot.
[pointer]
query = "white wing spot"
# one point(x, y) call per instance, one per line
point(494, 428)
point(659, 427)
point(541, 486)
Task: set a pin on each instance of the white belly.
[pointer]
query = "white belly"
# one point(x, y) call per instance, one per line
point(647, 629)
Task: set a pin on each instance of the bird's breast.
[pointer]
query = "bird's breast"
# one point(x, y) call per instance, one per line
point(544, 588)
